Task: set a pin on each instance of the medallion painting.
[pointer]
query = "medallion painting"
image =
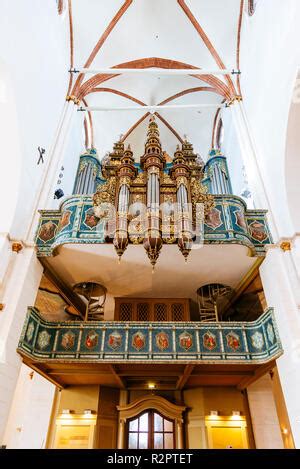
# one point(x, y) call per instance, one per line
point(90, 219)
point(162, 341)
point(240, 219)
point(257, 340)
point(91, 339)
point(213, 219)
point(258, 231)
point(186, 341)
point(233, 341)
point(270, 333)
point(47, 231)
point(68, 340)
point(209, 341)
point(114, 340)
point(43, 339)
point(30, 331)
point(138, 341)
point(65, 220)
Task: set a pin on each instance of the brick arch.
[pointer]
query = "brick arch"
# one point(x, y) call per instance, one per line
point(156, 62)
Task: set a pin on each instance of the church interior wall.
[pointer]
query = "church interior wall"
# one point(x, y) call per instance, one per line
point(267, 83)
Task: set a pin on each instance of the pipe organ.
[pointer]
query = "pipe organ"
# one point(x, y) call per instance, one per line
point(156, 201)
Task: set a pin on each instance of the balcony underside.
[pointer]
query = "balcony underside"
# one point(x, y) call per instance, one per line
point(225, 263)
point(138, 376)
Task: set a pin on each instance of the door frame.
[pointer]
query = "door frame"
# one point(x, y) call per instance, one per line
point(146, 403)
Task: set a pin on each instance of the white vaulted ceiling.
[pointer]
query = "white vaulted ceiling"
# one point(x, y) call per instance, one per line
point(195, 33)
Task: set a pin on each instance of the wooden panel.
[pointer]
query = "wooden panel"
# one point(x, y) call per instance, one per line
point(107, 434)
point(152, 309)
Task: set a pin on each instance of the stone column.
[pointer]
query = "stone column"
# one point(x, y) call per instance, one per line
point(279, 290)
point(20, 287)
point(265, 423)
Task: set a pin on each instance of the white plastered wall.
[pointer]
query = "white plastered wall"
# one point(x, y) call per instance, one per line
point(34, 59)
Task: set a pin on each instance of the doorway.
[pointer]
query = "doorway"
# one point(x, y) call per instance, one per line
point(150, 430)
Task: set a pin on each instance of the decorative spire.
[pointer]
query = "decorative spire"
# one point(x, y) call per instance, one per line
point(152, 136)
point(128, 155)
point(178, 156)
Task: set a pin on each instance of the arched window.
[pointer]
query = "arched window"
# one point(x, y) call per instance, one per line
point(150, 422)
point(220, 134)
point(60, 6)
point(252, 6)
point(150, 430)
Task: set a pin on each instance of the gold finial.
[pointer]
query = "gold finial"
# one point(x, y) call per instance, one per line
point(286, 246)
point(16, 247)
point(72, 98)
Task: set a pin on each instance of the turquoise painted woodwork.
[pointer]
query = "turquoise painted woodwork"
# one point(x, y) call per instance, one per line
point(224, 342)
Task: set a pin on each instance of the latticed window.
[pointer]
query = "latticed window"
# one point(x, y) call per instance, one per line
point(143, 310)
point(177, 312)
point(160, 312)
point(126, 311)
point(152, 309)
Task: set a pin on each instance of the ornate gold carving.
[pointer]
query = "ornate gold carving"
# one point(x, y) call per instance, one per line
point(125, 180)
point(140, 179)
point(286, 246)
point(16, 247)
point(169, 198)
point(181, 180)
point(166, 179)
point(200, 195)
point(153, 170)
point(106, 193)
point(138, 190)
point(72, 98)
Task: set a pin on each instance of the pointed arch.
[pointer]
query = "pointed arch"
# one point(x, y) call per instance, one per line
point(155, 62)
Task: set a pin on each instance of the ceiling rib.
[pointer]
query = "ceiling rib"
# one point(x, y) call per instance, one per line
point(187, 91)
point(127, 96)
point(156, 62)
point(101, 41)
point(206, 41)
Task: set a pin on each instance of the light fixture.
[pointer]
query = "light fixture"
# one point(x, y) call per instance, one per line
point(87, 411)
point(214, 412)
point(66, 411)
point(151, 386)
point(236, 413)
point(285, 431)
point(58, 194)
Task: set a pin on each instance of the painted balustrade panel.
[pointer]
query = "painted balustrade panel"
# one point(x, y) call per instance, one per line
point(76, 223)
point(224, 342)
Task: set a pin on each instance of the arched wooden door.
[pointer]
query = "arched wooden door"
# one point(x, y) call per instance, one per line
point(150, 430)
